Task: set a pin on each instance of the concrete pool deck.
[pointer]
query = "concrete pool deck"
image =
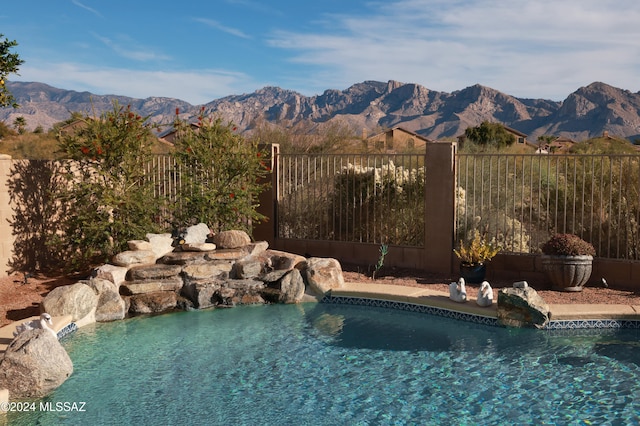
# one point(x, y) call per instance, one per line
point(438, 299)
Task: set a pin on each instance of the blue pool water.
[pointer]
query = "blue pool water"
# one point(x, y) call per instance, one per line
point(322, 364)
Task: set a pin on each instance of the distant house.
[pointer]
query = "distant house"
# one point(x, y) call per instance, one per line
point(520, 137)
point(73, 127)
point(559, 145)
point(396, 139)
point(169, 135)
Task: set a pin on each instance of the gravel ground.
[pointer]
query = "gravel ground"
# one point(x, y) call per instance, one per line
point(20, 299)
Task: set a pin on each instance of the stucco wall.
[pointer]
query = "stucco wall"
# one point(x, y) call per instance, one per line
point(6, 212)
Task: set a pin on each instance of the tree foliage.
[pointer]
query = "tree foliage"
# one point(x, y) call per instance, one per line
point(490, 134)
point(222, 175)
point(109, 199)
point(9, 64)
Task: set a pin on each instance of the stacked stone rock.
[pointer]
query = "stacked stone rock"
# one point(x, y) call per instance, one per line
point(227, 269)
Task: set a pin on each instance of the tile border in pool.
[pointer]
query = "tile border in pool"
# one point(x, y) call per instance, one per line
point(573, 324)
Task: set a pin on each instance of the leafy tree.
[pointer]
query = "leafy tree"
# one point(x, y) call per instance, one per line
point(222, 174)
point(20, 124)
point(490, 134)
point(111, 200)
point(9, 64)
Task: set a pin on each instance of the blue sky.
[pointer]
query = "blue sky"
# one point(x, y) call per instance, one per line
point(201, 50)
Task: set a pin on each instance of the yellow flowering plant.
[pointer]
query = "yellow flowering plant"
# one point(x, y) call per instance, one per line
point(476, 251)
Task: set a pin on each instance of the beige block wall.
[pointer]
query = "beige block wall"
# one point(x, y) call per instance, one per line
point(6, 213)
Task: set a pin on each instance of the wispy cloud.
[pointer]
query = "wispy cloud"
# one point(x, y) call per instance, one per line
point(195, 87)
point(217, 25)
point(545, 48)
point(127, 49)
point(85, 7)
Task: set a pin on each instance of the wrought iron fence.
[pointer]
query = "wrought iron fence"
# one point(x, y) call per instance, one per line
point(520, 200)
point(372, 198)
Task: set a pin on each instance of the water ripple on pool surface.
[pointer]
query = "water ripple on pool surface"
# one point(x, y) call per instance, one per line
point(337, 364)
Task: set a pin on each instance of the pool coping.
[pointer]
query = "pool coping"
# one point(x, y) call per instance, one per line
point(415, 299)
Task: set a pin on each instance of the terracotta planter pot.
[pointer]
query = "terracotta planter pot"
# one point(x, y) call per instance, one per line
point(473, 274)
point(567, 273)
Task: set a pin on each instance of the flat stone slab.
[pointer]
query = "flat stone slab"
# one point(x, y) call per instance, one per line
point(183, 258)
point(226, 254)
point(155, 271)
point(150, 286)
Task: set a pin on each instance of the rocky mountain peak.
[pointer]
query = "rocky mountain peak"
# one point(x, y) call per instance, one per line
point(371, 105)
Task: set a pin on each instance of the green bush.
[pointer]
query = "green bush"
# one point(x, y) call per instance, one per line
point(222, 175)
point(107, 197)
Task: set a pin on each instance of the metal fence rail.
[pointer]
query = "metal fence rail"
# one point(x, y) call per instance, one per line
point(374, 198)
point(520, 200)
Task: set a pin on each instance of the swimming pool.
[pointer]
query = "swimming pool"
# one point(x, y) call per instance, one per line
point(323, 364)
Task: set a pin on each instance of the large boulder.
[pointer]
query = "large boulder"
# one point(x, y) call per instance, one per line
point(152, 303)
point(249, 267)
point(522, 307)
point(291, 287)
point(34, 364)
point(240, 292)
point(231, 239)
point(323, 274)
point(78, 300)
point(111, 306)
point(201, 293)
point(277, 263)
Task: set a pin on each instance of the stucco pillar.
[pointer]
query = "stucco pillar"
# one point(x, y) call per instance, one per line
point(266, 231)
point(439, 217)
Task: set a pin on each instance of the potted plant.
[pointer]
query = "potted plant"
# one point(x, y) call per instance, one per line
point(474, 256)
point(567, 261)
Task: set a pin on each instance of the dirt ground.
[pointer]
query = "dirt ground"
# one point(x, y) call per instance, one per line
point(20, 297)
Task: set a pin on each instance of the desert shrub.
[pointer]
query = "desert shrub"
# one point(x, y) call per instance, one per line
point(382, 204)
point(222, 175)
point(106, 195)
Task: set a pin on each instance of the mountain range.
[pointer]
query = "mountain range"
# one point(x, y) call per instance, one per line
point(369, 106)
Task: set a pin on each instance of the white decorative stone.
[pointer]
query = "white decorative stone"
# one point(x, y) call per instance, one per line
point(198, 247)
point(139, 245)
point(161, 244)
point(196, 233)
